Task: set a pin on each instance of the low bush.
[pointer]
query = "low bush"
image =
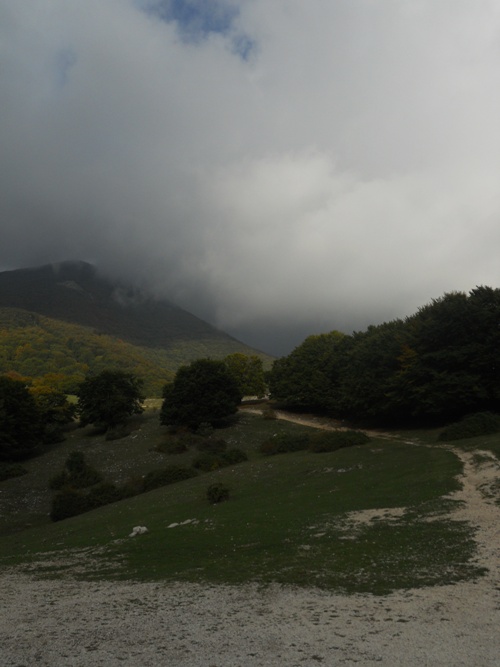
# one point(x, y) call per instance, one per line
point(118, 432)
point(166, 476)
point(211, 445)
point(104, 494)
point(8, 470)
point(280, 444)
point(132, 487)
point(217, 493)
point(205, 429)
point(67, 503)
point(234, 456)
point(330, 441)
point(479, 423)
point(209, 462)
point(174, 446)
point(76, 474)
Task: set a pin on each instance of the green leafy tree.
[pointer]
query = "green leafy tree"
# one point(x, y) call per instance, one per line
point(55, 409)
point(21, 424)
point(108, 399)
point(307, 377)
point(248, 371)
point(203, 392)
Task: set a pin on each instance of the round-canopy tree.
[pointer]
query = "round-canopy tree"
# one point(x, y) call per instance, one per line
point(21, 424)
point(203, 392)
point(248, 371)
point(109, 398)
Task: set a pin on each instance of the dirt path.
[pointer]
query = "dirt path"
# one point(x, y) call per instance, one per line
point(481, 473)
point(480, 486)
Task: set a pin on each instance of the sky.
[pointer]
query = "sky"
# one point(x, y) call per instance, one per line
point(279, 168)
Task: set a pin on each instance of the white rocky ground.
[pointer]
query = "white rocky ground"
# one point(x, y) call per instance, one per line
point(73, 624)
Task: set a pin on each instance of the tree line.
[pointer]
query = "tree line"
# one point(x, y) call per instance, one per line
point(435, 366)
point(207, 391)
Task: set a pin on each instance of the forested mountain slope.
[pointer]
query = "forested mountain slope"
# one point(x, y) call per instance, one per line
point(64, 319)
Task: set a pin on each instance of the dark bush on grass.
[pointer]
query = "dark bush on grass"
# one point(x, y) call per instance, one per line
point(217, 493)
point(480, 423)
point(118, 432)
point(170, 475)
point(330, 441)
point(280, 444)
point(176, 446)
point(68, 503)
point(211, 445)
point(133, 487)
point(234, 456)
point(209, 462)
point(8, 470)
point(104, 494)
point(76, 474)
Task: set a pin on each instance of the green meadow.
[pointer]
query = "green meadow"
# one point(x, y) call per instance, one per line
point(375, 518)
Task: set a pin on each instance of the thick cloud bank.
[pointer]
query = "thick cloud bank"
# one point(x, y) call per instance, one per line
point(278, 167)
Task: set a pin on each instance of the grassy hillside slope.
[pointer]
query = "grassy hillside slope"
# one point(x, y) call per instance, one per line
point(374, 517)
point(36, 346)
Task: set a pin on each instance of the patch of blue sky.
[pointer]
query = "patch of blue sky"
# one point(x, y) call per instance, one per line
point(198, 19)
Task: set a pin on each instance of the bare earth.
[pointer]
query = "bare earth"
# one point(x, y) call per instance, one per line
point(67, 623)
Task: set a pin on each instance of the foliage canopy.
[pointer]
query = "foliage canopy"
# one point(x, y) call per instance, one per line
point(109, 399)
point(21, 424)
point(205, 392)
point(437, 365)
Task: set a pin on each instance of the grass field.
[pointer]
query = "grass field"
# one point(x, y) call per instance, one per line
point(371, 518)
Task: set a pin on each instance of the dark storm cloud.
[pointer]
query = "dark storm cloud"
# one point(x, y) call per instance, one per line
point(278, 167)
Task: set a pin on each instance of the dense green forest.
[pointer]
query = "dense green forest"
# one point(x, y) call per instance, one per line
point(437, 365)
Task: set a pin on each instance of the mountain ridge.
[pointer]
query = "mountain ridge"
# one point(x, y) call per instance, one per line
point(60, 322)
point(74, 292)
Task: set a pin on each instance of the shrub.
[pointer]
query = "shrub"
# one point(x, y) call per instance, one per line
point(76, 473)
point(175, 446)
point(103, 494)
point(280, 444)
point(166, 476)
point(234, 456)
point(205, 430)
point(8, 470)
point(211, 445)
point(480, 423)
point(217, 493)
point(118, 432)
point(330, 441)
point(209, 462)
point(133, 487)
point(67, 503)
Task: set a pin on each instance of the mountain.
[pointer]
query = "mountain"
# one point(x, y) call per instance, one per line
point(73, 292)
point(66, 318)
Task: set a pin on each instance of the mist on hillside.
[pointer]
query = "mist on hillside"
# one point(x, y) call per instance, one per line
point(278, 169)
